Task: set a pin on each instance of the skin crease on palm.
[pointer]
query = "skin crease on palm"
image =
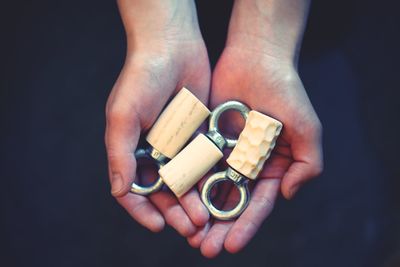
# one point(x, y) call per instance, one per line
point(258, 67)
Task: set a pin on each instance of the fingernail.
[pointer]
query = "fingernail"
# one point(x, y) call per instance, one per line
point(294, 190)
point(116, 183)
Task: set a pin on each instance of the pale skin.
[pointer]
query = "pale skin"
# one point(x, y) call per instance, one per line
point(258, 67)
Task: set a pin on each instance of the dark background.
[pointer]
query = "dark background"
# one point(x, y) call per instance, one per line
point(59, 60)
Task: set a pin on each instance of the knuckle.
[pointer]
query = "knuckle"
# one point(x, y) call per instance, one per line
point(121, 116)
point(115, 114)
point(112, 153)
point(315, 127)
point(318, 126)
point(317, 169)
point(308, 128)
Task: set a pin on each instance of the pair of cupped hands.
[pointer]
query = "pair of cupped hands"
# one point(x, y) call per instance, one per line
point(165, 52)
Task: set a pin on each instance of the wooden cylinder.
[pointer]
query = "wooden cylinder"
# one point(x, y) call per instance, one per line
point(255, 144)
point(177, 123)
point(190, 165)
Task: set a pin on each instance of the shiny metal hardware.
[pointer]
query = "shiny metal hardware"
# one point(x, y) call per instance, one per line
point(213, 131)
point(159, 159)
point(239, 181)
point(221, 142)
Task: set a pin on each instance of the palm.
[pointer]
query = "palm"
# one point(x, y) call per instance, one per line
point(274, 88)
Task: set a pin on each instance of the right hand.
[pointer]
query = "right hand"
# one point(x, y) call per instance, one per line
point(165, 52)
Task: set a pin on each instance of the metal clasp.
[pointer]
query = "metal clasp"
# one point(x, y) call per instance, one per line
point(213, 131)
point(159, 159)
point(240, 182)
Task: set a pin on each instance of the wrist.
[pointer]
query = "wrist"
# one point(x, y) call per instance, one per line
point(272, 27)
point(157, 26)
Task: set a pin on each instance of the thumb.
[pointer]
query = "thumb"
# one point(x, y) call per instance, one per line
point(307, 164)
point(135, 90)
point(122, 135)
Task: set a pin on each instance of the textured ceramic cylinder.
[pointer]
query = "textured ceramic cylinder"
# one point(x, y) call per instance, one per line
point(255, 144)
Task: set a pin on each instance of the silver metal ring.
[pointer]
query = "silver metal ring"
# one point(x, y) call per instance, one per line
point(217, 112)
point(222, 214)
point(154, 187)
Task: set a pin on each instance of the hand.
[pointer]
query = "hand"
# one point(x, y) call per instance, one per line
point(165, 52)
point(270, 85)
point(259, 67)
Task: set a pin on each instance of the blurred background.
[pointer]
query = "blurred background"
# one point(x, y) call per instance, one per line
point(59, 60)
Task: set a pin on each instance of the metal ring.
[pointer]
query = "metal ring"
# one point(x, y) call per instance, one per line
point(217, 112)
point(222, 214)
point(154, 187)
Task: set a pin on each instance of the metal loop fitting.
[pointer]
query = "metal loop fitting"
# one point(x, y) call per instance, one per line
point(158, 159)
point(240, 182)
point(213, 130)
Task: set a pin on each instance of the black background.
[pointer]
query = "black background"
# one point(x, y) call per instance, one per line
point(59, 60)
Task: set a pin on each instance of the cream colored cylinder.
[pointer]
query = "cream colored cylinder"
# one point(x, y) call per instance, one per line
point(255, 144)
point(190, 165)
point(177, 123)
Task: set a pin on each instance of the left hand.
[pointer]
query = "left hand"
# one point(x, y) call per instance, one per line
point(272, 86)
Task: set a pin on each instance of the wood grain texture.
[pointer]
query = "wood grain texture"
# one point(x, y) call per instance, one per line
point(190, 165)
point(255, 144)
point(177, 123)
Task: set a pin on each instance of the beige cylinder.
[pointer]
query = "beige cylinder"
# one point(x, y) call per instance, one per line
point(255, 144)
point(176, 124)
point(190, 165)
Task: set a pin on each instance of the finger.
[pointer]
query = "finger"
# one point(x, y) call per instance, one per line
point(194, 207)
point(142, 211)
point(196, 239)
point(122, 135)
point(260, 206)
point(173, 213)
point(213, 243)
point(137, 206)
point(308, 163)
point(276, 166)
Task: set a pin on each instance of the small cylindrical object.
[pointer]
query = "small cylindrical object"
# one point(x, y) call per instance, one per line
point(177, 123)
point(194, 161)
point(255, 144)
point(173, 128)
